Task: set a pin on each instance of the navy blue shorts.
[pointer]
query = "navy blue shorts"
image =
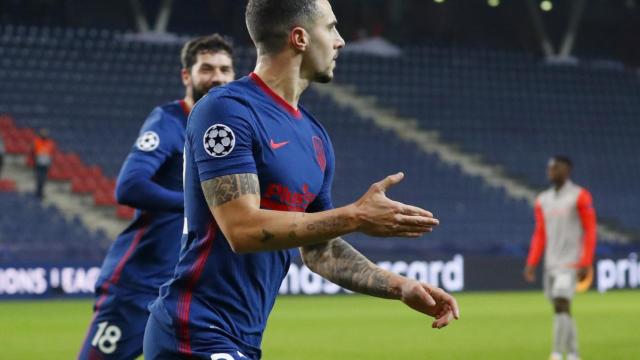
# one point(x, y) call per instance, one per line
point(160, 344)
point(117, 328)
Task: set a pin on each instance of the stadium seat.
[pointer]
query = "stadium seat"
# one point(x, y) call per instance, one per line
point(43, 234)
point(502, 106)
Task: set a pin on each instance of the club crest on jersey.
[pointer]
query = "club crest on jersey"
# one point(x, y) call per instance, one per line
point(148, 141)
point(320, 156)
point(219, 140)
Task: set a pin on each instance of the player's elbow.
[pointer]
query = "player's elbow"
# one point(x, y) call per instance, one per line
point(239, 247)
point(239, 240)
point(122, 194)
point(126, 193)
point(311, 262)
point(241, 227)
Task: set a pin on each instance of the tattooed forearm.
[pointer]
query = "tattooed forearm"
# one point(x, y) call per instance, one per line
point(223, 189)
point(267, 236)
point(327, 224)
point(340, 263)
point(248, 184)
point(293, 236)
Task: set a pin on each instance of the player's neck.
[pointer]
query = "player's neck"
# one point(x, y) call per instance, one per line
point(560, 184)
point(188, 100)
point(282, 75)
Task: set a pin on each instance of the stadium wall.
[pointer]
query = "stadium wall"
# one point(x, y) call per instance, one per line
point(453, 273)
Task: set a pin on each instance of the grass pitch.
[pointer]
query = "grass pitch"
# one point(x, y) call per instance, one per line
point(493, 326)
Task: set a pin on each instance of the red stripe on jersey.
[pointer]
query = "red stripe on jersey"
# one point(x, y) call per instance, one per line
point(100, 301)
point(185, 107)
point(184, 302)
point(539, 237)
point(278, 99)
point(587, 215)
point(114, 279)
point(136, 240)
point(94, 354)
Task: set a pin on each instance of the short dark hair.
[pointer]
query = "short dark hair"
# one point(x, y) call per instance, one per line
point(563, 159)
point(269, 21)
point(203, 44)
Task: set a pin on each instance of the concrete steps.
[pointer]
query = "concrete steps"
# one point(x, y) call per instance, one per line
point(59, 194)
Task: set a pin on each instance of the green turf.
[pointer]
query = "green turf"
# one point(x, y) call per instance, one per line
point(493, 326)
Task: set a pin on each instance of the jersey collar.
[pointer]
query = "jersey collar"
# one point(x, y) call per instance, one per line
point(185, 107)
point(277, 98)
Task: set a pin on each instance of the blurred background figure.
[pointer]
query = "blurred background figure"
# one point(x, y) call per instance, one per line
point(144, 255)
point(566, 232)
point(43, 149)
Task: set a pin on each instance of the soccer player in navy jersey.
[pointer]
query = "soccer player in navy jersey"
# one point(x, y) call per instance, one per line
point(258, 175)
point(143, 257)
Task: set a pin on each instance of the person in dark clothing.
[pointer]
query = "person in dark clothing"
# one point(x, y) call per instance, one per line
point(43, 149)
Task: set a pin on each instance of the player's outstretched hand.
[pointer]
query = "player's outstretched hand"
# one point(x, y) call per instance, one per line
point(434, 302)
point(381, 216)
point(582, 273)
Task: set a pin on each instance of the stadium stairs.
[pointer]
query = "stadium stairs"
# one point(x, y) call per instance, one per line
point(76, 189)
point(430, 142)
point(513, 111)
point(95, 87)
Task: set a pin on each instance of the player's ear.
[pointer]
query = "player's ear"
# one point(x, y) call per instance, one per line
point(186, 77)
point(299, 38)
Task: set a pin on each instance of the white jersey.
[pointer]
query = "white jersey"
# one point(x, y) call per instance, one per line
point(565, 228)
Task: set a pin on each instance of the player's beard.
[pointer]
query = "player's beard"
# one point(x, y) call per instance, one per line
point(200, 91)
point(323, 77)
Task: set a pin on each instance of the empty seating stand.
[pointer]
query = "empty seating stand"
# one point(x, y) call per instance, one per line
point(94, 88)
point(88, 180)
point(517, 111)
point(30, 232)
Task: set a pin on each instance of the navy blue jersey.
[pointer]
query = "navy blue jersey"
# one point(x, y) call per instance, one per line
point(143, 257)
point(218, 299)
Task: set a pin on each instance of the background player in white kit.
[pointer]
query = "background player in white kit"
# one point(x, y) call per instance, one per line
point(566, 232)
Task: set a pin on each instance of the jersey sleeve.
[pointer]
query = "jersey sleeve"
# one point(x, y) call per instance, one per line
point(159, 139)
point(323, 201)
point(539, 237)
point(221, 137)
point(587, 215)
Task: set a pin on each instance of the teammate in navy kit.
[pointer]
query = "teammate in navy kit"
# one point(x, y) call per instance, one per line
point(258, 175)
point(143, 257)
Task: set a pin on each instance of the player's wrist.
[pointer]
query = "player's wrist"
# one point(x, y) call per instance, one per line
point(400, 285)
point(353, 218)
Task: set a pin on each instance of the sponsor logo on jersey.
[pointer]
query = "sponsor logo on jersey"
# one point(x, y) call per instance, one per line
point(280, 197)
point(275, 146)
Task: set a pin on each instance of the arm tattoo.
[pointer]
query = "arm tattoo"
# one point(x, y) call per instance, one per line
point(267, 236)
point(340, 263)
point(223, 189)
point(327, 224)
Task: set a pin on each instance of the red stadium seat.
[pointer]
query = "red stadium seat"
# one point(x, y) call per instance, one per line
point(66, 167)
point(7, 185)
point(83, 185)
point(125, 212)
point(73, 159)
point(6, 122)
point(104, 198)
